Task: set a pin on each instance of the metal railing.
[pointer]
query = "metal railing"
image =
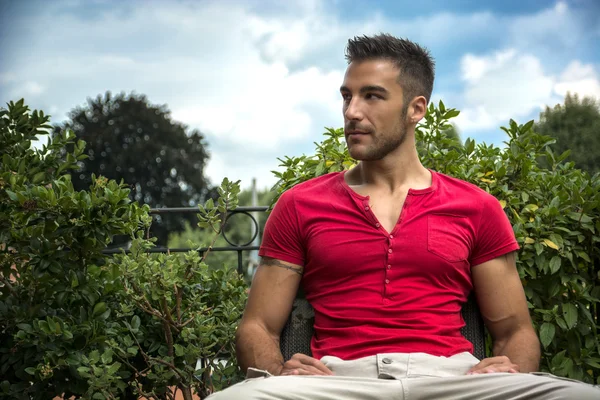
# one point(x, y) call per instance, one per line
point(237, 247)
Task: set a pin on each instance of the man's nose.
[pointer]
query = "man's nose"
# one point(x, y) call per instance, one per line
point(353, 111)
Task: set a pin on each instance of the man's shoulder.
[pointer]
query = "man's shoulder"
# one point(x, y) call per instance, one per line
point(461, 188)
point(318, 185)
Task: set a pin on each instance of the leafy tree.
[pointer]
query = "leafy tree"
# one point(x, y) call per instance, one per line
point(176, 312)
point(576, 127)
point(74, 322)
point(132, 140)
point(54, 290)
point(554, 209)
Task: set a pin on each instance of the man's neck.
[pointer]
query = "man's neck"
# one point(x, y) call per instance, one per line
point(399, 170)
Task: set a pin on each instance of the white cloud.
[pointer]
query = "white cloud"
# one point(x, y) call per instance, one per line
point(528, 71)
point(260, 82)
point(28, 89)
point(506, 84)
point(559, 26)
point(578, 78)
point(501, 86)
point(221, 68)
point(474, 68)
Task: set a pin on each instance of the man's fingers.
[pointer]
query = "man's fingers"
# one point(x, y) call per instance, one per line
point(304, 370)
point(494, 368)
point(494, 364)
point(486, 362)
point(313, 362)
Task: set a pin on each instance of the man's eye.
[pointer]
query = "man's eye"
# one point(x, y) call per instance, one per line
point(346, 97)
point(371, 96)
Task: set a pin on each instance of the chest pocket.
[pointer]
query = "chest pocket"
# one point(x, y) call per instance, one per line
point(448, 236)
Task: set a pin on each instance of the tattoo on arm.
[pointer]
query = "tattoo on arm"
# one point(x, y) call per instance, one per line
point(271, 262)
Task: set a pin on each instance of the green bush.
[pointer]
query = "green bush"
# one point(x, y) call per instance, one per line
point(554, 211)
point(175, 311)
point(76, 322)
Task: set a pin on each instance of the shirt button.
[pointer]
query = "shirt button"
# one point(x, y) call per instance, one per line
point(366, 208)
point(377, 225)
point(386, 361)
point(389, 267)
point(390, 250)
point(391, 236)
point(387, 281)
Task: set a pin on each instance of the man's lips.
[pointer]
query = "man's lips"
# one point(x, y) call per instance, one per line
point(357, 133)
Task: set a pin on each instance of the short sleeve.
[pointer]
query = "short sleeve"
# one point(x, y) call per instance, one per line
point(495, 235)
point(282, 237)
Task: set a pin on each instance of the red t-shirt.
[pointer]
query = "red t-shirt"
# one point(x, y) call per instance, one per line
point(378, 292)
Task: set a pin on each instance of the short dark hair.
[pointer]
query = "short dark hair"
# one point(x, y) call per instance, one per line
point(417, 67)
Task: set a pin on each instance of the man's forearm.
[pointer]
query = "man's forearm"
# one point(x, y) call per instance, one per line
point(256, 348)
point(522, 348)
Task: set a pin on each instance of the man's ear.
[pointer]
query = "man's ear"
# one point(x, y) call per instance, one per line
point(417, 109)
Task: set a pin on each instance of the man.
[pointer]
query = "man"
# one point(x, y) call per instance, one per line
point(387, 253)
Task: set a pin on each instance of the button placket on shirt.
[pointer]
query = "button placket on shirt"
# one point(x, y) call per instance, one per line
point(390, 251)
point(390, 254)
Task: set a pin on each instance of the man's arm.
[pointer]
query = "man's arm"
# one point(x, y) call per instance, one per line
point(269, 304)
point(504, 310)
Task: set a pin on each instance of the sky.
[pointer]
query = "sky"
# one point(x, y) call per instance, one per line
point(260, 79)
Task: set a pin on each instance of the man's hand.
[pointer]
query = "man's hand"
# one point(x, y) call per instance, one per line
point(301, 364)
point(494, 364)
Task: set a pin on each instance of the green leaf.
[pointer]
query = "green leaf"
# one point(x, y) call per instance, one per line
point(51, 324)
point(44, 327)
point(135, 322)
point(452, 113)
point(99, 308)
point(94, 356)
point(469, 146)
point(25, 327)
point(12, 195)
point(547, 332)
point(561, 323)
point(586, 219)
point(114, 368)
point(37, 178)
point(74, 280)
point(107, 357)
point(527, 127)
point(570, 314)
point(539, 249)
point(592, 363)
point(30, 370)
point(555, 264)
point(584, 255)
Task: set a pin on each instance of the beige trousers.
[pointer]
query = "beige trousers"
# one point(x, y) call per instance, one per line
point(398, 376)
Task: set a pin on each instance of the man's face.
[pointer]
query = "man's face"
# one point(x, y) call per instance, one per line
point(374, 110)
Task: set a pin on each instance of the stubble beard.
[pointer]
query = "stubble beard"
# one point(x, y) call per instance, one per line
point(382, 145)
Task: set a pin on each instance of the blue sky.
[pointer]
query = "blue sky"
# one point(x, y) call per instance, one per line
point(260, 78)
